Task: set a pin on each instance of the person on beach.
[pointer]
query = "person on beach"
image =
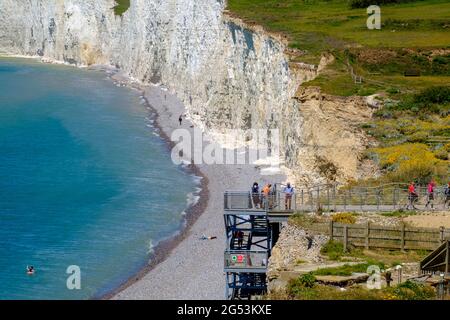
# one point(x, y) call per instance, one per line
point(180, 119)
point(203, 237)
point(430, 194)
point(447, 196)
point(288, 192)
point(255, 195)
point(412, 197)
point(266, 192)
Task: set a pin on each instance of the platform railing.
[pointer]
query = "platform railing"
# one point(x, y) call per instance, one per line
point(387, 197)
point(246, 200)
point(334, 197)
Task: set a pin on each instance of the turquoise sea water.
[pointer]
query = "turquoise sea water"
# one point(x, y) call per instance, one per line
point(84, 180)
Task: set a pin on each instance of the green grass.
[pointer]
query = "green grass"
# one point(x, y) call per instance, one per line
point(298, 289)
point(333, 23)
point(398, 213)
point(121, 7)
point(334, 250)
point(317, 26)
point(347, 270)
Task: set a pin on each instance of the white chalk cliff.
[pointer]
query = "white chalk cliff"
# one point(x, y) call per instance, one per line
point(227, 75)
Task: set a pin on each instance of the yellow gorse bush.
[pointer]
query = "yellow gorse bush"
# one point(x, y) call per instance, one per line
point(411, 161)
point(344, 217)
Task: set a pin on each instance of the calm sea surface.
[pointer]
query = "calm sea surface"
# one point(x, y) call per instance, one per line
point(84, 180)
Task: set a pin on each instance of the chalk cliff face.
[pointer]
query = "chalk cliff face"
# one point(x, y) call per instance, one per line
point(227, 75)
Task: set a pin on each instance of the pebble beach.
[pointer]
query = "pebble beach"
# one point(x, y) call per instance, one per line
point(189, 267)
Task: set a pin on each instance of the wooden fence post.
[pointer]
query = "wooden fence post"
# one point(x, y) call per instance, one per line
point(345, 238)
point(303, 200)
point(367, 235)
point(402, 238)
point(334, 197)
point(331, 230)
point(447, 258)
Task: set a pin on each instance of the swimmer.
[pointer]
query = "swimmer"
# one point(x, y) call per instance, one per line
point(30, 270)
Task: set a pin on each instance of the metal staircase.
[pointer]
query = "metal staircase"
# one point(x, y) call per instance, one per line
point(250, 237)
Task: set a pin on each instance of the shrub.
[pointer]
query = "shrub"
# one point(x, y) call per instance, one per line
point(413, 291)
point(411, 161)
point(334, 250)
point(307, 280)
point(344, 217)
point(441, 153)
point(434, 95)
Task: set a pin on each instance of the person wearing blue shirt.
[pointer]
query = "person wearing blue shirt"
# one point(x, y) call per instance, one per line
point(288, 192)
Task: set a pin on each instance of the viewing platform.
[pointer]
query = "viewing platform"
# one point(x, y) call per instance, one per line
point(252, 225)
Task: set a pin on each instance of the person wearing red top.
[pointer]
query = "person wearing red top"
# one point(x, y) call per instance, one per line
point(412, 196)
point(430, 194)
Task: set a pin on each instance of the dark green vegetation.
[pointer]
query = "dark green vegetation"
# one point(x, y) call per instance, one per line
point(121, 7)
point(398, 213)
point(305, 288)
point(365, 3)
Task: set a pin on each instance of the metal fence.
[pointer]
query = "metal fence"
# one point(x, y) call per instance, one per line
point(246, 200)
point(387, 197)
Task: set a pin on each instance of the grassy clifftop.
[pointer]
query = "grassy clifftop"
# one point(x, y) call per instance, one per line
point(414, 35)
point(413, 127)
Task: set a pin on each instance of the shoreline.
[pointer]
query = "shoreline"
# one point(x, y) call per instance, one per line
point(183, 266)
point(164, 247)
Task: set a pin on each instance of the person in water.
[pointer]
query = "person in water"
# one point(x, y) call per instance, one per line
point(30, 270)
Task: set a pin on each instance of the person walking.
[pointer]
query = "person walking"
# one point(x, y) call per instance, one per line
point(288, 192)
point(255, 195)
point(447, 196)
point(412, 196)
point(180, 119)
point(430, 194)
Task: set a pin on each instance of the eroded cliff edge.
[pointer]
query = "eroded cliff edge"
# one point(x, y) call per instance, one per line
point(229, 76)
